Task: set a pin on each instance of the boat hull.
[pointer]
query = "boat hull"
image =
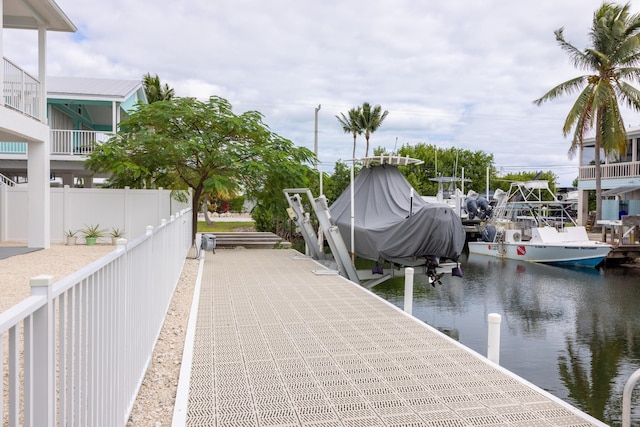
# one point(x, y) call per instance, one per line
point(589, 254)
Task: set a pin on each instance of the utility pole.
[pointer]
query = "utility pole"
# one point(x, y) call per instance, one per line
point(315, 143)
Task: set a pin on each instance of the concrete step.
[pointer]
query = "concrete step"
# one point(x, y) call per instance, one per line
point(252, 239)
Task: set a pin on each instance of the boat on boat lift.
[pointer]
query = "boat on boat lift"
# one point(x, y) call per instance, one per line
point(381, 218)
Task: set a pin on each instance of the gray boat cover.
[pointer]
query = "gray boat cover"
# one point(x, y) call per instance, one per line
point(384, 228)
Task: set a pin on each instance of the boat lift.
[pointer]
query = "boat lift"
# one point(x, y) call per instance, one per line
point(339, 260)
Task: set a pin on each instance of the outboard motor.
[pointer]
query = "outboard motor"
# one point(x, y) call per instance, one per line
point(472, 208)
point(488, 233)
point(484, 208)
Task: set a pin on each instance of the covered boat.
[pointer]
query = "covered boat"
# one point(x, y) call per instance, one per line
point(393, 223)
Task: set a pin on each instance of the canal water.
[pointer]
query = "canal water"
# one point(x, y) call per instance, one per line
point(572, 332)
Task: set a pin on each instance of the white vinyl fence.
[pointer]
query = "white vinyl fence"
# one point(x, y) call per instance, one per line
point(75, 208)
point(76, 351)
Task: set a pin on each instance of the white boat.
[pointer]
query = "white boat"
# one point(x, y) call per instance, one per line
point(530, 224)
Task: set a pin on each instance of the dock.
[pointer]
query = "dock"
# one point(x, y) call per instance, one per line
point(276, 339)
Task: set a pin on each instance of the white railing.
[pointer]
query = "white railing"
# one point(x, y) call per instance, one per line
point(626, 398)
point(63, 142)
point(21, 90)
point(76, 142)
point(7, 181)
point(77, 350)
point(612, 170)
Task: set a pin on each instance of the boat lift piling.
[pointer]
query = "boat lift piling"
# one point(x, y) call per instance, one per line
point(493, 339)
point(408, 290)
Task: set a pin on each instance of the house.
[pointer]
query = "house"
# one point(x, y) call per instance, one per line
point(81, 112)
point(620, 179)
point(23, 106)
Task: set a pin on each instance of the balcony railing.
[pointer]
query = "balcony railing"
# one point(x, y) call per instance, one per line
point(610, 171)
point(21, 90)
point(63, 142)
point(76, 142)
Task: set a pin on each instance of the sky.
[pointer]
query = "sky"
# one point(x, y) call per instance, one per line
point(458, 73)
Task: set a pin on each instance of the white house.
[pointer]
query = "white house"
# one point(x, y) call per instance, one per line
point(620, 179)
point(23, 106)
point(81, 112)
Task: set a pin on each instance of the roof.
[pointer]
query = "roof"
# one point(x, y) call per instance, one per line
point(91, 88)
point(32, 14)
point(620, 190)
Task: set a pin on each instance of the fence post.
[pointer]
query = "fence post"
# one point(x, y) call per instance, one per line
point(408, 290)
point(4, 212)
point(43, 366)
point(493, 340)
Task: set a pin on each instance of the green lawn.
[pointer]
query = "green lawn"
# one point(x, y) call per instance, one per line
point(224, 226)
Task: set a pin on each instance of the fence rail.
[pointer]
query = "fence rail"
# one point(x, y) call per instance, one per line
point(76, 351)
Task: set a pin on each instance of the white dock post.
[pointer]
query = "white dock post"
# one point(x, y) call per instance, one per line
point(408, 290)
point(493, 341)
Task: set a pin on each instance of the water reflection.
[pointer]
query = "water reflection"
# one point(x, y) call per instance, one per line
point(572, 332)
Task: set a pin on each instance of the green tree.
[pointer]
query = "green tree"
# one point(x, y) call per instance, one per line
point(612, 59)
point(336, 183)
point(446, 162)
point(155, 91)
point(350, 124)
point(370, 120)
point(270, 212)
point(185, 143)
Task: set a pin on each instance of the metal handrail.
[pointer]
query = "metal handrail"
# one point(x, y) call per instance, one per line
point(626, 398)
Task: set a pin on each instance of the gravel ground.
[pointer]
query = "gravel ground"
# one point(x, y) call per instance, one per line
point(157, 395)
point(155, 401)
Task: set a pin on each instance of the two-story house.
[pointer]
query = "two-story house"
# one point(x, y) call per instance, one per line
point(23, 106)
point(620, 179)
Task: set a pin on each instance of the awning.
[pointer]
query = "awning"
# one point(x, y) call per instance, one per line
point(620, 190)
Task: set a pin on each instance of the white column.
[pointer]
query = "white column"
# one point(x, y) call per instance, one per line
point(39, 196)
point(42, 72)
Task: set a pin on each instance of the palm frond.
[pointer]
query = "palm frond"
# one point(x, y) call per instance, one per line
point(567, 88)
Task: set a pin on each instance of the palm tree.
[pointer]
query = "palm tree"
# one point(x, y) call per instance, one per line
point(612, 59)
point(350, 124)
point(155, 91)
point(370, 120)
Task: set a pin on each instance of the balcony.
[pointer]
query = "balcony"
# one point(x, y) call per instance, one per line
point(63, 143)
point(21, 90)
point(76, 142)
point(611, 171)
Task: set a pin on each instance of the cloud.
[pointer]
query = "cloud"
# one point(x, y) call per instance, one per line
point(457, 73)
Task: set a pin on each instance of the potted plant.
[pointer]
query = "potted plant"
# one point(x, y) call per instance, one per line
point(116, 233)
point(92, 233)
point(71, 236)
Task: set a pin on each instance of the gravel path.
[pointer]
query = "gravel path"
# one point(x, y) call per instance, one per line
point(155, 401)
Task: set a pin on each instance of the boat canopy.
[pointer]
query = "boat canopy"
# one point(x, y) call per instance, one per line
point(392, 221)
